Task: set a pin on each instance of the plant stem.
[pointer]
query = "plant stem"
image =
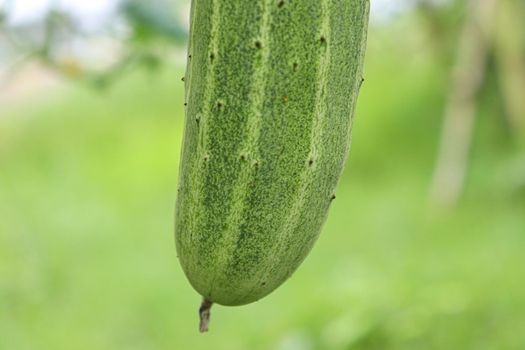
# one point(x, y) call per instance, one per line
point(204, 314)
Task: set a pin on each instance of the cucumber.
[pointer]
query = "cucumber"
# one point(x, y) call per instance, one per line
point(271, 87)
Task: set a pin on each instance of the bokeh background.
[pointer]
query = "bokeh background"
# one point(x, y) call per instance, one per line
point(424, 247)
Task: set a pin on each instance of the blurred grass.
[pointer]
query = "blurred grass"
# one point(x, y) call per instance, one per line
point(87, 258)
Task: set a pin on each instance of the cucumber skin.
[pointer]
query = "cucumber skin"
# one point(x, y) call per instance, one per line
point(271, 87)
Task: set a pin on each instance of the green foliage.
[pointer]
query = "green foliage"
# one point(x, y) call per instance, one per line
point(153, 20)
point(155, 31)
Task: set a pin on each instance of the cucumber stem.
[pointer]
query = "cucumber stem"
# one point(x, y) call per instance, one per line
point(204, 314)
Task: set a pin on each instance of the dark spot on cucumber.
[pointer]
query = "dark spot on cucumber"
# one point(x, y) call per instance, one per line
point(295, 66)
point(185, 103)
point(206, 158)
point(332, 198)
point(322, 40)
point(212, 57)
point(258, 45)
point(220, 105)
point(197, 120)
point(263, 284)
point(182, 79)
point(243, 157)
point(311, 162)
point(280, 3)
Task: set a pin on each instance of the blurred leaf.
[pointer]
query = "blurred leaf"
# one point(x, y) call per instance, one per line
point(153, 19)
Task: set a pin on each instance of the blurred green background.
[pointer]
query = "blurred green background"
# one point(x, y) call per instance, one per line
point(88, 179)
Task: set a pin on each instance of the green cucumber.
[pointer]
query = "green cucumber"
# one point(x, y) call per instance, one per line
point(271, 87)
